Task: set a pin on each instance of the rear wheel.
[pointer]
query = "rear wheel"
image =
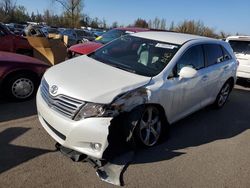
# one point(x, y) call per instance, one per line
point(223, 95)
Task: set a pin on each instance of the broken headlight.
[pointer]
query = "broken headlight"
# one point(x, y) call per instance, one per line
point(122, 103)
point(90, 110)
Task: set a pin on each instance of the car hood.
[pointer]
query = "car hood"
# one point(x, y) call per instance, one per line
point(18, 58)
point(89, 80)
point(85, 48)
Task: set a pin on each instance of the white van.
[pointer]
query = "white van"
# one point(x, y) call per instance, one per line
point(241, 48)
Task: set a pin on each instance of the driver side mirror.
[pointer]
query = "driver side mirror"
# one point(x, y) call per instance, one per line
point(187, 72)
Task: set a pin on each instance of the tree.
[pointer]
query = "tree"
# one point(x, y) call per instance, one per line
point(114, 24)
point(141, 23)
point(7, 8)
point(72, 11)
point(171, 27)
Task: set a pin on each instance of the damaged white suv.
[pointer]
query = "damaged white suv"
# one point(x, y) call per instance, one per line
point(138, 83)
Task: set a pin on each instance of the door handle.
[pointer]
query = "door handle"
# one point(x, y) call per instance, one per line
point(226, 67)
point(204, 78)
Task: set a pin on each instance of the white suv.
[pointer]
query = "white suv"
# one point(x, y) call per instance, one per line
point(241, 48)
point(137, 84)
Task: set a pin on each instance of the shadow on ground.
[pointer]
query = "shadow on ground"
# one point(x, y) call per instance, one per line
point(14, 155)
point(203, 127)
point(244, 83)
point(15, 110)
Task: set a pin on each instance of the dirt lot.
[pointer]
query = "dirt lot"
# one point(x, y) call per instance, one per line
point(208, 149)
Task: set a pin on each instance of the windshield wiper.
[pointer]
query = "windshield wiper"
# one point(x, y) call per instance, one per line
point(123, 68)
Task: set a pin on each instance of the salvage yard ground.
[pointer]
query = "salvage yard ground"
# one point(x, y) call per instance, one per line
point(208, 149)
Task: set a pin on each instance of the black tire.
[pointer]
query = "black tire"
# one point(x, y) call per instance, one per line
point(223, 95)
point(20, 87)
point(150, 127)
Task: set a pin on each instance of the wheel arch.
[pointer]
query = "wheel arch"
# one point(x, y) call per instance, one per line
point(21, 71)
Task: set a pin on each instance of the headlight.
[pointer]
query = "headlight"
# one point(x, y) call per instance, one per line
point(90, 110)
point(122, 103)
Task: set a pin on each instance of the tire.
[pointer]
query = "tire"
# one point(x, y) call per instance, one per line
point(223, 95)
point(20, 87)
point(149, 129)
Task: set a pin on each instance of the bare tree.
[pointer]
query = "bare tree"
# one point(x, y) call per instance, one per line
point(7, 8)
point(72, 10)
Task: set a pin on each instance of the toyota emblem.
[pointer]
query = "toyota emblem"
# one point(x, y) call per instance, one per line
point(53, 89)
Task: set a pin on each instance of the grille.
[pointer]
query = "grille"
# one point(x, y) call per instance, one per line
point(63, 104)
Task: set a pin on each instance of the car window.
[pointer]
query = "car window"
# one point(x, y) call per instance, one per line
point(193, 57)
point(240, 46)
point(138, 55)
point(213, 53)
point(226, 54)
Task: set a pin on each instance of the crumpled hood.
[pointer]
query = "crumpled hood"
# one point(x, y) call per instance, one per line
point(87, 79)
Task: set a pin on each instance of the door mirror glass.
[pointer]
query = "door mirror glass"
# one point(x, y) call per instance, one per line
point(187, 72)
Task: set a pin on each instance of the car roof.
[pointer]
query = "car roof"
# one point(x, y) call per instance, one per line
point(132, 29)
point(240, 38)
point(170, 37)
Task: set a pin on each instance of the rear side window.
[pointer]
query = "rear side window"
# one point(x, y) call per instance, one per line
point(193, 57)
point(227, 55)
point(214, 54)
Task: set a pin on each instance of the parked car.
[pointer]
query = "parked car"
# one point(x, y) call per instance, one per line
point(12, 43)
point(139, 83)
point(50, 30)
point(89, 47)
point(20, 75)
point(16, 28)
point(76, 36)
point(241, 48)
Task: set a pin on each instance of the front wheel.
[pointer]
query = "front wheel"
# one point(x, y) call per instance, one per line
point(20, 87)
point(150, 127)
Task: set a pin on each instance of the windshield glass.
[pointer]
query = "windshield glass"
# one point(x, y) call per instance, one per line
point(110, 35)
point(137, 55)
point(240, 46)
point(79, 32)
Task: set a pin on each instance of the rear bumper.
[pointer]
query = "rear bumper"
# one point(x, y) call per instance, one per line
point(243, 71)
point(80, 135)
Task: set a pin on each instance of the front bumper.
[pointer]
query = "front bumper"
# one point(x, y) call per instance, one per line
point(80, 136)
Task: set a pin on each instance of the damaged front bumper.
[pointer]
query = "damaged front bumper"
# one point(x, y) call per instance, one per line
point(88, 136)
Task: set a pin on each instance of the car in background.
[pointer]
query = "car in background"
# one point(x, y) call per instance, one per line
point(133, 87)
point(12, 43)
point(108, 36)
point(76, 36)
point(241, 48)
point(16, 28)
point(50, 30)
point(20, 75)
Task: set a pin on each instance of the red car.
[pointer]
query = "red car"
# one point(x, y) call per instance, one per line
point(20, 75)
point(13, 43)
point(88, 47)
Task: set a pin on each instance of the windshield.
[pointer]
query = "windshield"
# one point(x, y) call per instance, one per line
point(137, 55)
point(240, 46)
point(110, 35)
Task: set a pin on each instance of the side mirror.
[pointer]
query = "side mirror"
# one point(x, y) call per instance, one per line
point(187, 72)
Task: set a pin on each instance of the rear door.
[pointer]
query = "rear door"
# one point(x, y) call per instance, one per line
point(185, 95)
point(216, 68)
